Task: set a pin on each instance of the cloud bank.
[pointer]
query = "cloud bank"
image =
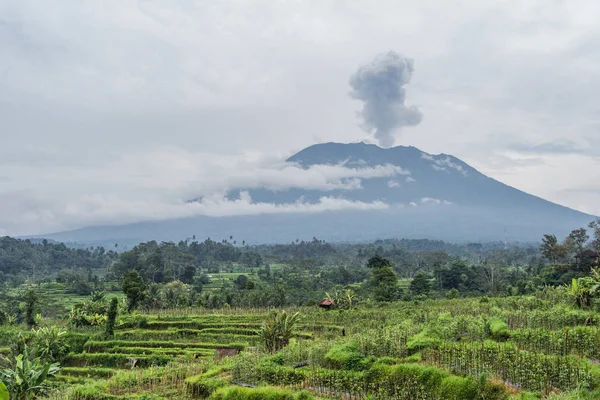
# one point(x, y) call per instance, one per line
point(159, 184)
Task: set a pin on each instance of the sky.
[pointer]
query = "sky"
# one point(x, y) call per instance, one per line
point(120, 111)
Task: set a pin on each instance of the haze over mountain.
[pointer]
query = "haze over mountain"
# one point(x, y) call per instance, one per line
point(396, 192)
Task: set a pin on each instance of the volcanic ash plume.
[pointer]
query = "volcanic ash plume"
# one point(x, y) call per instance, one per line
point(380, 86)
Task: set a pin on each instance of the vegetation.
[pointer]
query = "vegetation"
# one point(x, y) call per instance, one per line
point(224, 320)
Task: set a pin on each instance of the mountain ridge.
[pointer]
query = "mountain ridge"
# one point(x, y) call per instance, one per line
point(439, 196)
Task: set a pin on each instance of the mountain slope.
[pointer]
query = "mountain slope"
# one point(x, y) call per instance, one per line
point(433, 196)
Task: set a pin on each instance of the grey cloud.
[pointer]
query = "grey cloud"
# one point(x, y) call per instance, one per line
point(556, 147)
point(380, 85)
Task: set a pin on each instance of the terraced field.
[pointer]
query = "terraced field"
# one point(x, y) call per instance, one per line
point(154, 355)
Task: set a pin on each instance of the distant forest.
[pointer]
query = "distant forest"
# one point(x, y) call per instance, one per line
point(299, 273)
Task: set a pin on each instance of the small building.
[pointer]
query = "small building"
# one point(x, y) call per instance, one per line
point(326, 304)
point(588, 254)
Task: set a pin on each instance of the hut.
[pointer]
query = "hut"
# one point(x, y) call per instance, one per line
point(327, 304)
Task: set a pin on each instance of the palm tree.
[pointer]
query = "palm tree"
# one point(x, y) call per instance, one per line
point(278, 329)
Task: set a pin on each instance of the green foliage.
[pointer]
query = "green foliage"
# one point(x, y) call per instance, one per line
point(30, 298)
point(112, 317)
point(134, 288)
point(427, 338)
point(497, 328)
point(384, 281)
point(278, 329)
point(420, 285)
point(265, 393)
point(583, 290)
point(204, 385)
point(4, 392)
point(51, 343)
point(346, 356)
point(28, 376)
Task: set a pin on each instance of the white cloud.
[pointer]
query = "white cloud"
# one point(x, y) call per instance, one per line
point(410, 179)
point(430, 200)
point(45, 215)
point(393, 184)
point(159, 183)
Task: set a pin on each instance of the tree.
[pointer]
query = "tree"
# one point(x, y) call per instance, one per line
point(134, 288)
point(30, 299)
point(277, 330)
point(241, 282)
point(378, 262)
point(420, 285)
point(384, 281)
point(578, 238)
point(551, 249)
point(595, 227)
point(113, 310)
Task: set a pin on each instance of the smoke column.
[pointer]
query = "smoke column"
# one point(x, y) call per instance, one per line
point(380, 86)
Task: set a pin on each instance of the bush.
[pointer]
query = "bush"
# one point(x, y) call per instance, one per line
point(457, 388)
point(345, 356)
point(204, 387)
point(497, 328)
point(427, 338)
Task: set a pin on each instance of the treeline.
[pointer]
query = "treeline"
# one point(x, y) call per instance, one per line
point(25, 259)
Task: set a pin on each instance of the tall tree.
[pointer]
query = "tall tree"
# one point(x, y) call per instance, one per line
point(420, 285)
point(551, 249)
point(384, 281)
point(134, 288)
point(30, 299)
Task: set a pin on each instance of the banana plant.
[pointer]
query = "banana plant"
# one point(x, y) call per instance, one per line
point(584, 290)
point(27, 378)
point(4, 392)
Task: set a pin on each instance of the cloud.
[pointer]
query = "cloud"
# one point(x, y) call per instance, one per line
point(393, 184)
point(552, 148)
point(160, 183)
point(430, 200)
point(442, 162)
point(86, 90)
point(43, 214)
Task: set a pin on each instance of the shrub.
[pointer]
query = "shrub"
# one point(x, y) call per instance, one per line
point(204, 387)
point(427, 338)
point(457, 388)
point(344, 356)
point(497, 328)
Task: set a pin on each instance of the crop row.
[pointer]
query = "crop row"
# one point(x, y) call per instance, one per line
point(522, 369)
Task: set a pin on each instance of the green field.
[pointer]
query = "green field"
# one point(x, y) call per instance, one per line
point(498, 348)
